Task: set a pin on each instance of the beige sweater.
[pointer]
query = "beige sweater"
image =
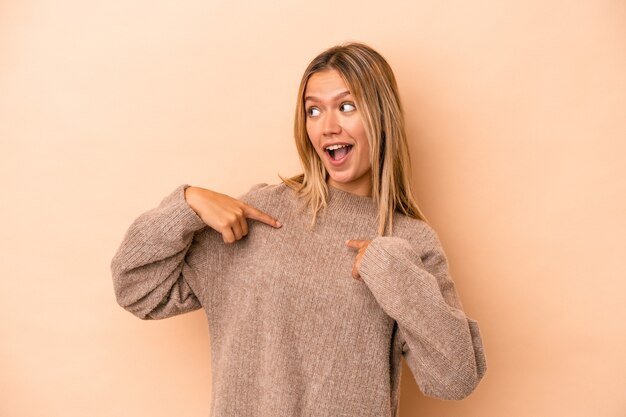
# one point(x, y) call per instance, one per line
point(292, 333)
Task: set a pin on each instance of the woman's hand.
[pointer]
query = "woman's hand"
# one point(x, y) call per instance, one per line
point(361, 245)
point(225, 214)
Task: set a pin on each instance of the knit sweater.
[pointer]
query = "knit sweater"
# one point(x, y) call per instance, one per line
point(292, 332)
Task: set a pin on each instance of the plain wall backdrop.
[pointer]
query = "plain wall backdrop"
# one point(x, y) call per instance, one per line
point(516, 117)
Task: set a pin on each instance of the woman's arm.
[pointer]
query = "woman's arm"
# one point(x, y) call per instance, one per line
point(442, 346)
point(157, 268)
point(160, 270)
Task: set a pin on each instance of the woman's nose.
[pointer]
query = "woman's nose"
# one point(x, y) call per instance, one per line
point(331, 124)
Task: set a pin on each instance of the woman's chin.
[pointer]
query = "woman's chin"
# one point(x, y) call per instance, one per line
point(339, 179)
point(343, 183)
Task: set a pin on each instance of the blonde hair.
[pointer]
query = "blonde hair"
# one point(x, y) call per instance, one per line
point(372, 83)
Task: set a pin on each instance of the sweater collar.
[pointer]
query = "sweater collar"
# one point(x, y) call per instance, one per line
point(351, 204)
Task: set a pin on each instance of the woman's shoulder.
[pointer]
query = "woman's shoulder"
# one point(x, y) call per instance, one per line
point(417, 231)
point(263, 192)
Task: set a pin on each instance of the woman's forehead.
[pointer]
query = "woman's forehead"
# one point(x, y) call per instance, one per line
point(325, 84)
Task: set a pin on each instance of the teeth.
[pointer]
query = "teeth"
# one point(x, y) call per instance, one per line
point(335, 147)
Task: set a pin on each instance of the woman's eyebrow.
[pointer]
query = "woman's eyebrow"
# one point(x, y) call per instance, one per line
point(338, 96)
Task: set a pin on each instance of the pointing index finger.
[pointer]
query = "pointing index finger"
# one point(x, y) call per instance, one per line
point(256, 214)
point(356, 244)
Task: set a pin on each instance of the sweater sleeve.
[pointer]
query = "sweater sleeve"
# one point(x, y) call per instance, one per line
point(441, 345)
point(157, 268)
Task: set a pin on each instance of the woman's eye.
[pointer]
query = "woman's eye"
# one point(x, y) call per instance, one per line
point(313, 111)
point(347, 107)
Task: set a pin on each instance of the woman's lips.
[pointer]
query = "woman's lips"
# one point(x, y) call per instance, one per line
point(339, 161)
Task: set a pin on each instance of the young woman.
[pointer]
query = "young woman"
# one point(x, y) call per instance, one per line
point(314, 288)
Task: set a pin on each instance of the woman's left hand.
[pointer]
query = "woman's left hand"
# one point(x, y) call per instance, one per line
point(361, 245)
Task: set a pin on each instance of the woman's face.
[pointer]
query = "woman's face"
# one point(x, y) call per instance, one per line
point(337, 132)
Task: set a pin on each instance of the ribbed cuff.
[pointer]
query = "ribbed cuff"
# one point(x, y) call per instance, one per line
point(182, 214)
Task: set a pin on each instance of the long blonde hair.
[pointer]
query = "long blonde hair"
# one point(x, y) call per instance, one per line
point(372, 83)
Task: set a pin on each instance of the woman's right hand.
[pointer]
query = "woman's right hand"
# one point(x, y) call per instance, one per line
point(225, 214)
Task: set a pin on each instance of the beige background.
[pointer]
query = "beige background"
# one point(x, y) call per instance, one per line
point(516, 115)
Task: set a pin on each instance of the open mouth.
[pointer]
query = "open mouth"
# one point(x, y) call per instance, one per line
point(338, 152)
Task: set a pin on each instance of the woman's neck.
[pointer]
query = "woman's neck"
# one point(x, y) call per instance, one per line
point(361, 188)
